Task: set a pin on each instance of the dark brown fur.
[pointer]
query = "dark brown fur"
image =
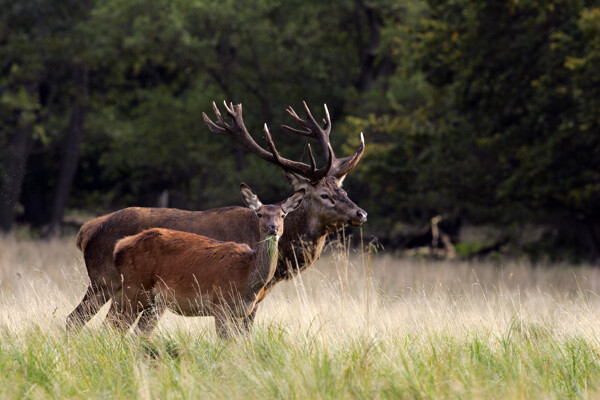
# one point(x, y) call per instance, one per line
point(304, 235)
point(196, 275)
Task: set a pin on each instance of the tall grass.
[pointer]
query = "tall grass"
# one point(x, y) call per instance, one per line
point(352, 326)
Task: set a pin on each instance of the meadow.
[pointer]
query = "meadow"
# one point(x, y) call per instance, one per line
point(355, 325)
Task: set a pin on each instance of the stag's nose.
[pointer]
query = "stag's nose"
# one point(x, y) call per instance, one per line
point(272, 229)
point(362, 215)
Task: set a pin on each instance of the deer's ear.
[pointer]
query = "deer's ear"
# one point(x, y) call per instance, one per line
point(250, 197)
point(340, 180)
point(293, 202)
point(297, 181)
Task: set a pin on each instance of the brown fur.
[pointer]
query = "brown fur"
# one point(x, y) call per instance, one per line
point(210, 278)
point(304, 235)
point(196, 275)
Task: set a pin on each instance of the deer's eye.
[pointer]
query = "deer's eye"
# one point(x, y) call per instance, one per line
point(259, 215)
point(324, 196)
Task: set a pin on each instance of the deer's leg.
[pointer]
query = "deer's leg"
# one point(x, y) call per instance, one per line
point(94, 298)
point(224, 322)
point(104, 281)
point(149, 318)
point(126, 306)
point(120, 315)
point(124, 319)
point(248, 320)
point(114, 314)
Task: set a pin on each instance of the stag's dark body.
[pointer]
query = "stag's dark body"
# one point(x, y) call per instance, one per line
point(302, 241)
point(98, 237)
point(326, 208)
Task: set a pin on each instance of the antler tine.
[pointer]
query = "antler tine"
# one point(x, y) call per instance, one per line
point(341, 166)
point(237, 130)
point(305, 132)
point(344, 165)
point(330, 159)
point(327, 120)
point(310, 127)
point(311, 172)
point(312, 158)
point(211, 125)
point(271, 144)
point(218, 113)
point(234, 111)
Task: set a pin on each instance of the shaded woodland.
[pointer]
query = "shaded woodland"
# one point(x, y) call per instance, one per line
point(475, 113)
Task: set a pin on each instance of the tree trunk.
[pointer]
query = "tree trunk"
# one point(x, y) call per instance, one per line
point(591, 241)
point(367, 51)
point(15, 171)
point(71, 150)
point(372, 65)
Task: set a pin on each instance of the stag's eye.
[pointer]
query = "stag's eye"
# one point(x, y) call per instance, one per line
point(259, 215)
point(330, 200)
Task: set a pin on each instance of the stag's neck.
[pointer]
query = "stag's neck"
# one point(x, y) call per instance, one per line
point(302, 242)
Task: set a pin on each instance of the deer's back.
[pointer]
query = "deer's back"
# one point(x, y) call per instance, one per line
point(184, 262)
point(97, 238)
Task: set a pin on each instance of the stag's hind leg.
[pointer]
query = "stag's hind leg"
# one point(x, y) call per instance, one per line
point(94, 298)
point(104, 281)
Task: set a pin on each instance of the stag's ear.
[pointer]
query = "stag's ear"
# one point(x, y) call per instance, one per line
point(250, 197)
point(293, 202)
point(297, 181)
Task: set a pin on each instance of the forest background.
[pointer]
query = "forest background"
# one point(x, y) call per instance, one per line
point(482, 112)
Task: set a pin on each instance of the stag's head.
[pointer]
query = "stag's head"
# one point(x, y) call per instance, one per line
point(324, 198)
point(329, 201)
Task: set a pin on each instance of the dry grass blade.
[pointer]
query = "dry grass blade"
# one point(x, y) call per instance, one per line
point(353, 325)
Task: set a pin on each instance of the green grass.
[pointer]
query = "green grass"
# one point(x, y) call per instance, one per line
point(273, 363)
point(398, 329)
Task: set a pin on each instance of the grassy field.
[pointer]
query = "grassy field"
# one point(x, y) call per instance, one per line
point(351, 327)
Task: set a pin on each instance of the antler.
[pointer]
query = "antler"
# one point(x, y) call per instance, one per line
point(311, 129)
point(238, 132)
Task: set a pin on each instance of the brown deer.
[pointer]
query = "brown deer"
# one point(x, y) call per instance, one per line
point(194, 275)
point(325, 209)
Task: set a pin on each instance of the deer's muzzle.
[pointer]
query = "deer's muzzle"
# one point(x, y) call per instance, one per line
point(361, 218)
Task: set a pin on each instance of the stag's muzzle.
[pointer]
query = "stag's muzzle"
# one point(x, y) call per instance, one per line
point(360, 218)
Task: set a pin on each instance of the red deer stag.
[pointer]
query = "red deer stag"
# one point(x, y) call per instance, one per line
point(194, 275)
point(325, 209)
